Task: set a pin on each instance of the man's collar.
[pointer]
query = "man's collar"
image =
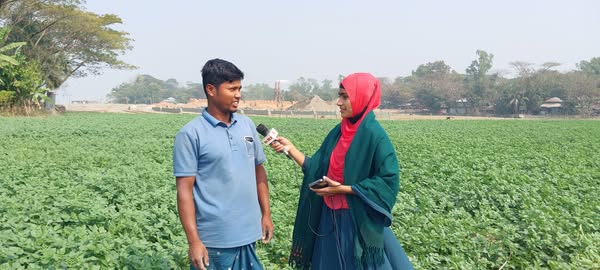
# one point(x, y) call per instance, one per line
point(214, 121)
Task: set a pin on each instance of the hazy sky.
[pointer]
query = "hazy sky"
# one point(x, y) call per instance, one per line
point(283, 40)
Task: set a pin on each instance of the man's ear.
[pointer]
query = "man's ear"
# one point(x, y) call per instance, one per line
point(211, 90)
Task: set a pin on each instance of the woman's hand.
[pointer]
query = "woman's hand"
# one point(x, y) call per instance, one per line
point(281, 144)
point(332, 188)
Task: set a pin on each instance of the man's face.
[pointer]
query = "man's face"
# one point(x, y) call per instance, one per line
point(344, 103)
point(227, 97)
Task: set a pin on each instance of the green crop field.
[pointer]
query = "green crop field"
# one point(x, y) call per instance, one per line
point(95, 191)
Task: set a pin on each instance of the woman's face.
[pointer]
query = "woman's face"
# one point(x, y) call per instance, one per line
point(344, 103)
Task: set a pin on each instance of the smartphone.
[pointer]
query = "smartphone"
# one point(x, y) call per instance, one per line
point(320, 183)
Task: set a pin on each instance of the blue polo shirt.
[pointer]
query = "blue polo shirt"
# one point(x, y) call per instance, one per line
point(223, 160)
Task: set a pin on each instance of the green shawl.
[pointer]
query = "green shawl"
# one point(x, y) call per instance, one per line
point(371, 167)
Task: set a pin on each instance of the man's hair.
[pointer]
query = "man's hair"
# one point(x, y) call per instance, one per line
point(218, 71)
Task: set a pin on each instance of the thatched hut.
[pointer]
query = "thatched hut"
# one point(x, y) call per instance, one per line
point(552, 106)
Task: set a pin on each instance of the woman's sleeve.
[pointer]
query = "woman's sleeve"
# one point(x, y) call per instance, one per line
point(379, 214)
point(305, 164)
point(379, 191)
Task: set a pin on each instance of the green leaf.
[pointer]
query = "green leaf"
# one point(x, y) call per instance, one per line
point(7, 60)
point(11, 46)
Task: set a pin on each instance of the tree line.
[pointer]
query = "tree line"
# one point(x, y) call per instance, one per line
point(432, 87)
point(45, 42)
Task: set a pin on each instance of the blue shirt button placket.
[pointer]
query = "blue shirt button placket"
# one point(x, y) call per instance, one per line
point(232, 143)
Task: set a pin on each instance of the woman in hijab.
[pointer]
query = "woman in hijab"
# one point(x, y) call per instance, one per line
point(345, 225)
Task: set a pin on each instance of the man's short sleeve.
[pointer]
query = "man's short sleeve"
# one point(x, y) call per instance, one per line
point(185, 159)
point(259, 154)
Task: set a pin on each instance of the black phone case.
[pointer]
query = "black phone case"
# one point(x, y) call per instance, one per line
point(318, 184)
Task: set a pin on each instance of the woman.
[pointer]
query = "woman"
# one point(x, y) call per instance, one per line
point(345, 225)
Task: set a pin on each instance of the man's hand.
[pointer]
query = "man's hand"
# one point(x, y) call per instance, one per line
point(198, 255)
point(267, 229)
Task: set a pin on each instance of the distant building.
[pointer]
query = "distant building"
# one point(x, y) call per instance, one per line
point(552, 106)
point(596, 110)
point(84, 102)
point(171, 100)
point(460, 106)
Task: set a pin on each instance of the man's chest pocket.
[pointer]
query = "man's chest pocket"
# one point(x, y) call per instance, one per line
point(249, 142)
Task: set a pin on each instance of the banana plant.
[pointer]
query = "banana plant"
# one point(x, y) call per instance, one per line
point(8, 60)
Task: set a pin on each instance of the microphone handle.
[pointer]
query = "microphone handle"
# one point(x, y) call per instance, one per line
point(286, 152)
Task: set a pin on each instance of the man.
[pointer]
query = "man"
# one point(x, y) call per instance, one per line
point(222, 190)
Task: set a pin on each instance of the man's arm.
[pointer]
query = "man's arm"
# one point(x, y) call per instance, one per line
point(262, 188)
point(187, 214)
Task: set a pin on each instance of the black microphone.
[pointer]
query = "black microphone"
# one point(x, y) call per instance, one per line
point(269, 136)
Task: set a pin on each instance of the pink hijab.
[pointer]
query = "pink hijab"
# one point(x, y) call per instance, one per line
point(364, 92)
